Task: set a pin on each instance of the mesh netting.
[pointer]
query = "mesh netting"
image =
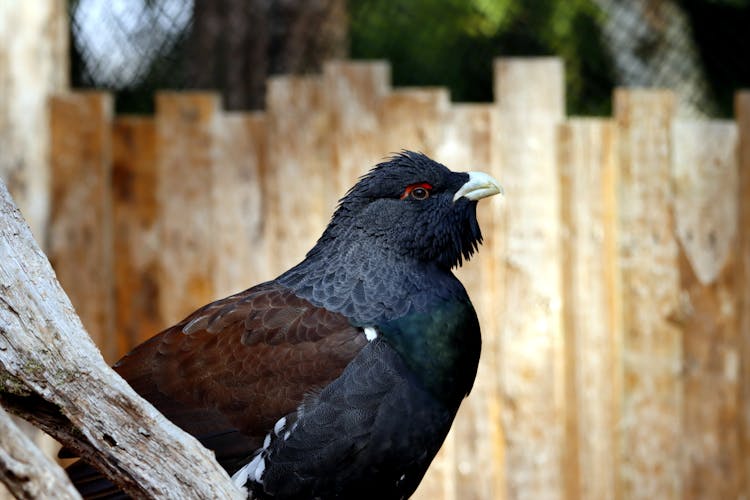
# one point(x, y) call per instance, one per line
point(697, 47)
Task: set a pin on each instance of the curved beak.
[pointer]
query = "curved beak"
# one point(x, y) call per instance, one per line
point(479, 185)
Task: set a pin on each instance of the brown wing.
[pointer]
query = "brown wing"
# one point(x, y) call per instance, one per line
point(230, 370)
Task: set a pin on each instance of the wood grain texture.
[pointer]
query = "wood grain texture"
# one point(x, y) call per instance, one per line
point(34, 64)
point(529, 106)
point(705, 207)
point(136, 237)
point(239, 203)
point(53, 375)
point(412, 119)
point(742, 283)
point(26, 470)
point(302, 179)
point(651, 358)
point(186, 154)
point(80, 233)
point(586, 157)
point(353, 91)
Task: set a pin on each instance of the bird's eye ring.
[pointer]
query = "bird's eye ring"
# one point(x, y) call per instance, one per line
point(417, 191)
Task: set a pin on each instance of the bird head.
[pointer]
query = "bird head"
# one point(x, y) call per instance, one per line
point(417, 207)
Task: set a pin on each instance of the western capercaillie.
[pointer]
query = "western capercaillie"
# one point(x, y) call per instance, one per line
point(341, 377)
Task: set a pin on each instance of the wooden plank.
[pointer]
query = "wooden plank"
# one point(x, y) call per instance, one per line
point(80, 235)
point(742, 283)
point(34, 64)
point(650, 421)
point(136, 243)
point(353, 91)
point(239, 203)
point(586, 157)
point(186, 128)
point(705, 210)
point(529, 105)
point(477, 440)
point(412, 119)
point(302, 181)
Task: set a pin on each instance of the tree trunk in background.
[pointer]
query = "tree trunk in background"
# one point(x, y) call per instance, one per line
point(236, 44)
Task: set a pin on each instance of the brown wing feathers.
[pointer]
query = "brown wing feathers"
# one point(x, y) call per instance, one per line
point(230, 370)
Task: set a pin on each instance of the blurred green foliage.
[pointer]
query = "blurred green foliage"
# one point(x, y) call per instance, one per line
point(453, 43)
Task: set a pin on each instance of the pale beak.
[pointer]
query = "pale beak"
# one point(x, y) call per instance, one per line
point(479, 185)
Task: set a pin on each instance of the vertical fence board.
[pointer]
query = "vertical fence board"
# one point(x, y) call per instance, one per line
point(742, 288)
point(80, 237)
point(135, 231)
point(238, 203)
point(705, 208)
point(186, 125)
point(529, 105)
point(301, 177)
point(586, 156)
point(466, 146)
point(412, 119)
point(354, 90)
point(650, 426)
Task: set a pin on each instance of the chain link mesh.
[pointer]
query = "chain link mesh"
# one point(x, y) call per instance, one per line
point(696, 47)
point(131, 47)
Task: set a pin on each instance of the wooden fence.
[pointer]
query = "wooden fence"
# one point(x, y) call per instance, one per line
point(613, 288)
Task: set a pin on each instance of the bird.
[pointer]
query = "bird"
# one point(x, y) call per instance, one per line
point(341, 377)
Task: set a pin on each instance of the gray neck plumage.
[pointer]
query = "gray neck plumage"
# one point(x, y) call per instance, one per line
point(368, 284)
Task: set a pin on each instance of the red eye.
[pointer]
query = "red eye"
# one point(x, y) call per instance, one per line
point(419, 191)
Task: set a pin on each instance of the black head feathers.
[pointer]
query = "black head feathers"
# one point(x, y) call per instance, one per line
point(415, 206)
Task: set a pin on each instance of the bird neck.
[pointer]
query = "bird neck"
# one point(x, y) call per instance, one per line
point(367, 282)
point(421, 309)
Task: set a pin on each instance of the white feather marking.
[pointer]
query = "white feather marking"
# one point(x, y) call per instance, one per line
point(279, 425)
point(254, 469)
point(370, 333)
point(267, 441)
point(259, 470)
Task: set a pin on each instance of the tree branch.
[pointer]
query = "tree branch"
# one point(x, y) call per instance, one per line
point(52, 375)
point(26, 470)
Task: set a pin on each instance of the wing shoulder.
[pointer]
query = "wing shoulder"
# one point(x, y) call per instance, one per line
point(237, 365)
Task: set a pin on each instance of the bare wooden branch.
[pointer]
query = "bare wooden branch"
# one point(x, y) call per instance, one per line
point(52, 375)
point(26, 470)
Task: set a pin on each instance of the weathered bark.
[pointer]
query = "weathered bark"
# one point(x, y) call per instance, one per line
point(26, 470)
point(52, 375)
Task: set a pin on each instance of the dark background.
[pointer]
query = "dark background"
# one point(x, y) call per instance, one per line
point(699, 47)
